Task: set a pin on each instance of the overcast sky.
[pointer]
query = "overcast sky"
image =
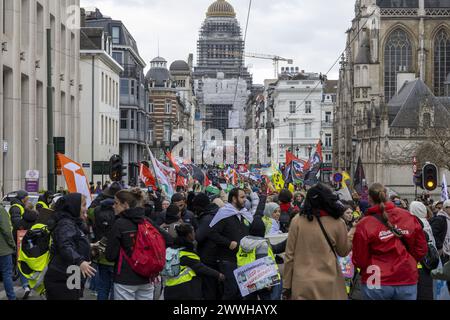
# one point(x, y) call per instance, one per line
point(312, 32)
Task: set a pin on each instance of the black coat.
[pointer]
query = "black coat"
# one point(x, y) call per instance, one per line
point(439, 227)
point(122, 234)
point(70, 245)
point(191, 290)
point(187, 217)
point(226, 231)
point(20, 222)
point(207, 248)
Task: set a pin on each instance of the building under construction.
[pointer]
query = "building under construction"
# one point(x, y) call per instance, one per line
point(222, 81)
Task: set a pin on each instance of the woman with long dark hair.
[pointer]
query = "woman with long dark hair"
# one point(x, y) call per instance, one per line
point(316, 237)
point(388, 244)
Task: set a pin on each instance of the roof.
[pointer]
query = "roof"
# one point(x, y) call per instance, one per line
point(179, 65)
point(221, 8)
point(158, 59)
point(330, 87)
point(405, 106)
point(159, 75)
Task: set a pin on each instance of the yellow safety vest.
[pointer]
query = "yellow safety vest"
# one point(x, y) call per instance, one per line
point(244, 258)
point(186, 273)
point(21, 208)
point(43, 204)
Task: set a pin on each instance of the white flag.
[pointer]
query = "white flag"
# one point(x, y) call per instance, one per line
point(161, 177)
point(444, 194)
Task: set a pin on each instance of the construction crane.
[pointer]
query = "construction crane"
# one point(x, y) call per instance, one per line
point(276, 59)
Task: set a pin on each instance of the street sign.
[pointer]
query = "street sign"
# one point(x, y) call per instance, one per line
point(32, 174)
point(337, 177)
point(86, 165)
point(32, 186)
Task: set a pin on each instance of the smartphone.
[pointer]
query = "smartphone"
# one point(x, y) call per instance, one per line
point(150, 189)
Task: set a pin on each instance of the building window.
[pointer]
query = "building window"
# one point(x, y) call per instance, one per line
point(328, 140)
point(103, 88)
point(168, 107)
point(118, 56)
point(150, 135)
point(124, 119)
point(133, 119)
point(308, 106)
point(116, 35)
point(308, 130)
point(328, 117)
point(124, 86)
point(328, 158)
point(292, 107)
point(441, 62)
point(151, 107)
point(397, 58)
point(167, 133)
point(365, 93)
point(132, 87)
point(426, 120)
point(292, 130)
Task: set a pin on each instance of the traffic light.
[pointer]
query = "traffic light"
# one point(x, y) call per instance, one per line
point(430, 177)
point(117, 168)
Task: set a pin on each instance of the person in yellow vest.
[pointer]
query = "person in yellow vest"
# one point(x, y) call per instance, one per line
point(188, 284)
point(44, 201)
point(254, 247)
point(23, 217)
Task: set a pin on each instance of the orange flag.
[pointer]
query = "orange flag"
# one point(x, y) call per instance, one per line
point(146, 176)
point(75, 178)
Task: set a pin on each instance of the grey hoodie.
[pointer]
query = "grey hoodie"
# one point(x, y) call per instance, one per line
point(249, 243)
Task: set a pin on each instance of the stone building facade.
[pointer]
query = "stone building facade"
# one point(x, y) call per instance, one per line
point(23, 102)
point(393, 48)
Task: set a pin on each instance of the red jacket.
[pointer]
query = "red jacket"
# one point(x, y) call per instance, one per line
point(375, 245)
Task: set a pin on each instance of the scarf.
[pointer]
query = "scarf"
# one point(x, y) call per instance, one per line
point(229, 211)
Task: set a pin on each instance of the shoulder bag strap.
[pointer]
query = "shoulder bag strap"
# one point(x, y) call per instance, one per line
point(326, 236)
point(395, 232)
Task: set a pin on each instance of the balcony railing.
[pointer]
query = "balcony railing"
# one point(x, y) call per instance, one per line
point(131, 71)
point(326, 124)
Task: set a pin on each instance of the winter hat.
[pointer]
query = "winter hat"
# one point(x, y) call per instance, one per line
point(271, 207)
point(201, 200)
point(113, 189)
point(257, 228)
point(172, 214)
point(446, 204)
point(21, 194)
point(418, 209)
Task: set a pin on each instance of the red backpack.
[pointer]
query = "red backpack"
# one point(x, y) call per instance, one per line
point(149, 252)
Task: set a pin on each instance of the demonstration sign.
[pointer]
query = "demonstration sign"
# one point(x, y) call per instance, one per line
point(263, 273)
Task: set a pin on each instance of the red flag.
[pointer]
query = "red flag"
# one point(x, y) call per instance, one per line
point(290, 157)
point(146, 176)
point(319, 150)
point(181, 181)
point(207, 182)
point(173, 162)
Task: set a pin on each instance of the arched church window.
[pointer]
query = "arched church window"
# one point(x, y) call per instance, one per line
point(441, 61)
point(397, 58)
point(426, 120)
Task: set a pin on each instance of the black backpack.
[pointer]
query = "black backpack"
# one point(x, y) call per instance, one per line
point(104, 219)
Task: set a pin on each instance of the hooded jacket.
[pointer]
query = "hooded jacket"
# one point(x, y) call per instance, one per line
point(122, 235)
point(207, 249)
point(441, 231)
point(375, 245)
point(70, 245)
